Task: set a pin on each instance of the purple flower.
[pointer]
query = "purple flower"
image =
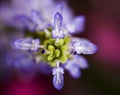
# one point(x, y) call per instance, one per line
point(84, 46)
point(27, 44)
point(38, 20)
point(58, 32)
point(58, 78)
point(74, 66)
point(26, 22)
point(50, 39)
point(76, 25)
point(20, 60)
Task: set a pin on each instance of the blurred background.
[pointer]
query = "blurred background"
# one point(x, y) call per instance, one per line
point(102, 27)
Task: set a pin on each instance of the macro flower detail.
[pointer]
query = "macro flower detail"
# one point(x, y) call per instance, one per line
point(73, 66)
point(76, 25)
point(58, 32)
point(26, 22)
point(51, 42)
point(27, 44)
point(58, 79)
point(84, 46)
point(38, 20)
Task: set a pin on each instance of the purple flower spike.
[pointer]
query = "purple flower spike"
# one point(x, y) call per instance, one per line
point(27, 44)
point(76, 25)
point(84, 46)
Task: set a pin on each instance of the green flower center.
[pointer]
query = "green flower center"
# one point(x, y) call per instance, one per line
point(54, 49)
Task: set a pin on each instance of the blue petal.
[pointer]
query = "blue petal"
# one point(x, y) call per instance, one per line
point(58, 19)
point(38, 19)
point(76, 25)
point(82, 63)
point(58, 81)
point(24, 44)
point(20, 59)
point(84, 46)
point(27, 44)
point(76, 73)
point(58, 34)
point(44, 68)
point(26, 22)
point(73, 70)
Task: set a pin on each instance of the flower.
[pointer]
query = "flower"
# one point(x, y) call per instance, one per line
point(84, 46)
point(57, 31)
point(49, 38)
point(58, 79)
point(27, 44)
point(73, 66)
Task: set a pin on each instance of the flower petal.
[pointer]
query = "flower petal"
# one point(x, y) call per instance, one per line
point(58, 34)
point(27, 44)
point(58, 19)
point(26, 22)
point(84, 46)
point(82, 63)
point(38, 19)
point(73, 70)
point(58, 78)
point(58, 81)
point(20, 59)
point(76, 25)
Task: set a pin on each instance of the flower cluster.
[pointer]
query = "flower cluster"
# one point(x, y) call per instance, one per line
point(51, 41)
